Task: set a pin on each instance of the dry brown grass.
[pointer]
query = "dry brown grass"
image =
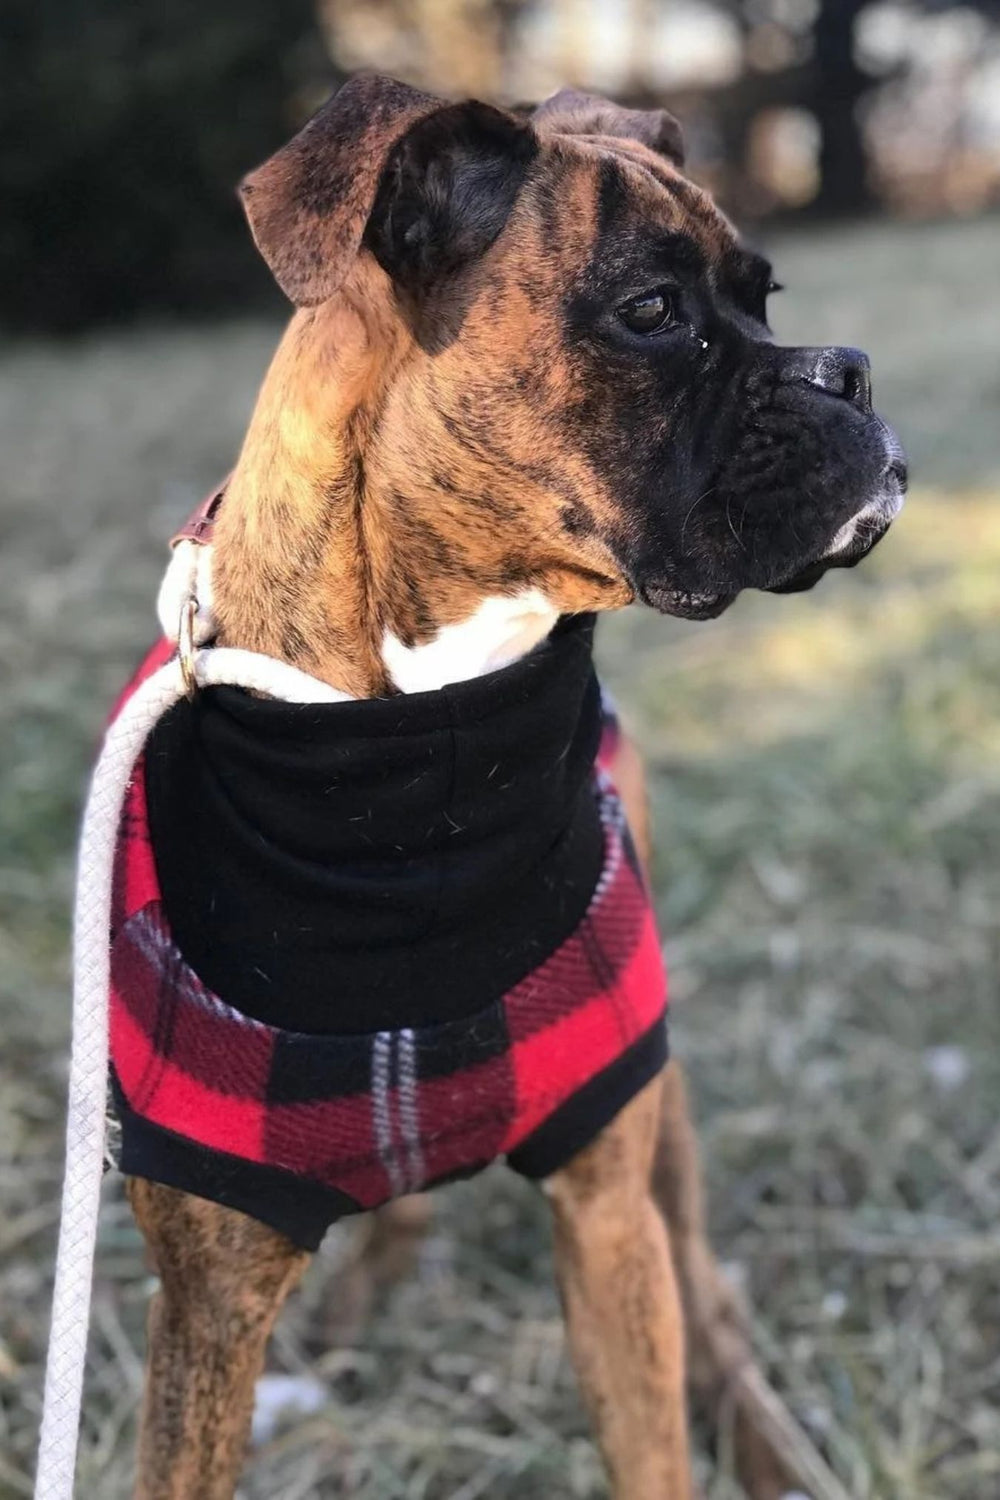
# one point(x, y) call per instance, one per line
point(827, 785)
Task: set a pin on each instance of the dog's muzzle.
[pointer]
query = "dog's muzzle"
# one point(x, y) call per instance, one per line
point(858, 536)
point(846, 373)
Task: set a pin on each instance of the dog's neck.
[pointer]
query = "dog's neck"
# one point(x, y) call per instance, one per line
point(314, 548)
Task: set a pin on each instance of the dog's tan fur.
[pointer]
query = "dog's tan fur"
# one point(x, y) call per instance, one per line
point(223, 1279)
point(355, 511)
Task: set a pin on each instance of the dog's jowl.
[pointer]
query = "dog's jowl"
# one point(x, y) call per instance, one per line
point(366, 946)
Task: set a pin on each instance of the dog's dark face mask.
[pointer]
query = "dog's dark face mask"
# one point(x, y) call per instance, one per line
point(589, 375)
point(739, 463)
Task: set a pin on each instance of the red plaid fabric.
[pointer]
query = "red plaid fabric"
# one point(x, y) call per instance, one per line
point(378, 1115)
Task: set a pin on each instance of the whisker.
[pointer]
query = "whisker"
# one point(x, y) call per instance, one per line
point(704, 496)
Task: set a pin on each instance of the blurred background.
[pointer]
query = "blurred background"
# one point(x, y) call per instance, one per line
point(825, 768)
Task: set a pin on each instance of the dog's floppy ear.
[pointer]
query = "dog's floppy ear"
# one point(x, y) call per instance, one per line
point(424, 184)
point(573, 113)
point(308, 204)
point(447, 190)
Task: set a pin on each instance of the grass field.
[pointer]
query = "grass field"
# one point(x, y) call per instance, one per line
point(826, 776)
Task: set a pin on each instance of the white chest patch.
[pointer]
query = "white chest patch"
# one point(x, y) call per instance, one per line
point(497, 633)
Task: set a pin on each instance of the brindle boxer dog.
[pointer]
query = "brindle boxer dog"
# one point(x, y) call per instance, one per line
point(529, 373)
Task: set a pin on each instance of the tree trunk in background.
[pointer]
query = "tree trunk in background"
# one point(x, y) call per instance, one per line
point(841, 84)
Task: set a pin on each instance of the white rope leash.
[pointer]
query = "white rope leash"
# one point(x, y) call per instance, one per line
point(88, 1074)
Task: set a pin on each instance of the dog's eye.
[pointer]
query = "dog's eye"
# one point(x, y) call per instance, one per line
point(649, 313)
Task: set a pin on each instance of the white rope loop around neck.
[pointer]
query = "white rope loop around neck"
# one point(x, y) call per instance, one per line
point(123, 743)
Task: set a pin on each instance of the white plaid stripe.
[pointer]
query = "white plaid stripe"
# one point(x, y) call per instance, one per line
point(382, 1068)
point(409, 1107)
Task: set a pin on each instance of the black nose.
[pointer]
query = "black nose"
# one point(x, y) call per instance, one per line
point(843, 372)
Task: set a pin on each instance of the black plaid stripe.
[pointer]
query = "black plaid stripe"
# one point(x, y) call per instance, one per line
point(307, 1068)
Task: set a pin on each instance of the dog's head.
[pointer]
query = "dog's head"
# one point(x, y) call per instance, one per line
point(586, 365)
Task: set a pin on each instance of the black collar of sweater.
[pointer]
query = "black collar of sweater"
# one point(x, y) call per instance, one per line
point(390, 862)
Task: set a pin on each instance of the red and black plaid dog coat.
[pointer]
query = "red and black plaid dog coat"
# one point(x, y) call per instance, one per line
point(360, 949)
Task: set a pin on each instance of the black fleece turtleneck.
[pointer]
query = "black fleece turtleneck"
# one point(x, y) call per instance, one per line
point(392, 862)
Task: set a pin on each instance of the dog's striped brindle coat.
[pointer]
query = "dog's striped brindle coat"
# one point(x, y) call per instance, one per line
point(427, 482)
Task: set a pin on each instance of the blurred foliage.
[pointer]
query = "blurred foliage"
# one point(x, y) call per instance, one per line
point(804, 55)
point(123, 129)
point(823, 107)
point(125, 125)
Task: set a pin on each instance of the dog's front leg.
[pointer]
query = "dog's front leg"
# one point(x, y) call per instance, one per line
point(622, 1307)
point(223, 1278)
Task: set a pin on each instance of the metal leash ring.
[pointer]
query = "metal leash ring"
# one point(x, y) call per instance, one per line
point(185, 645)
